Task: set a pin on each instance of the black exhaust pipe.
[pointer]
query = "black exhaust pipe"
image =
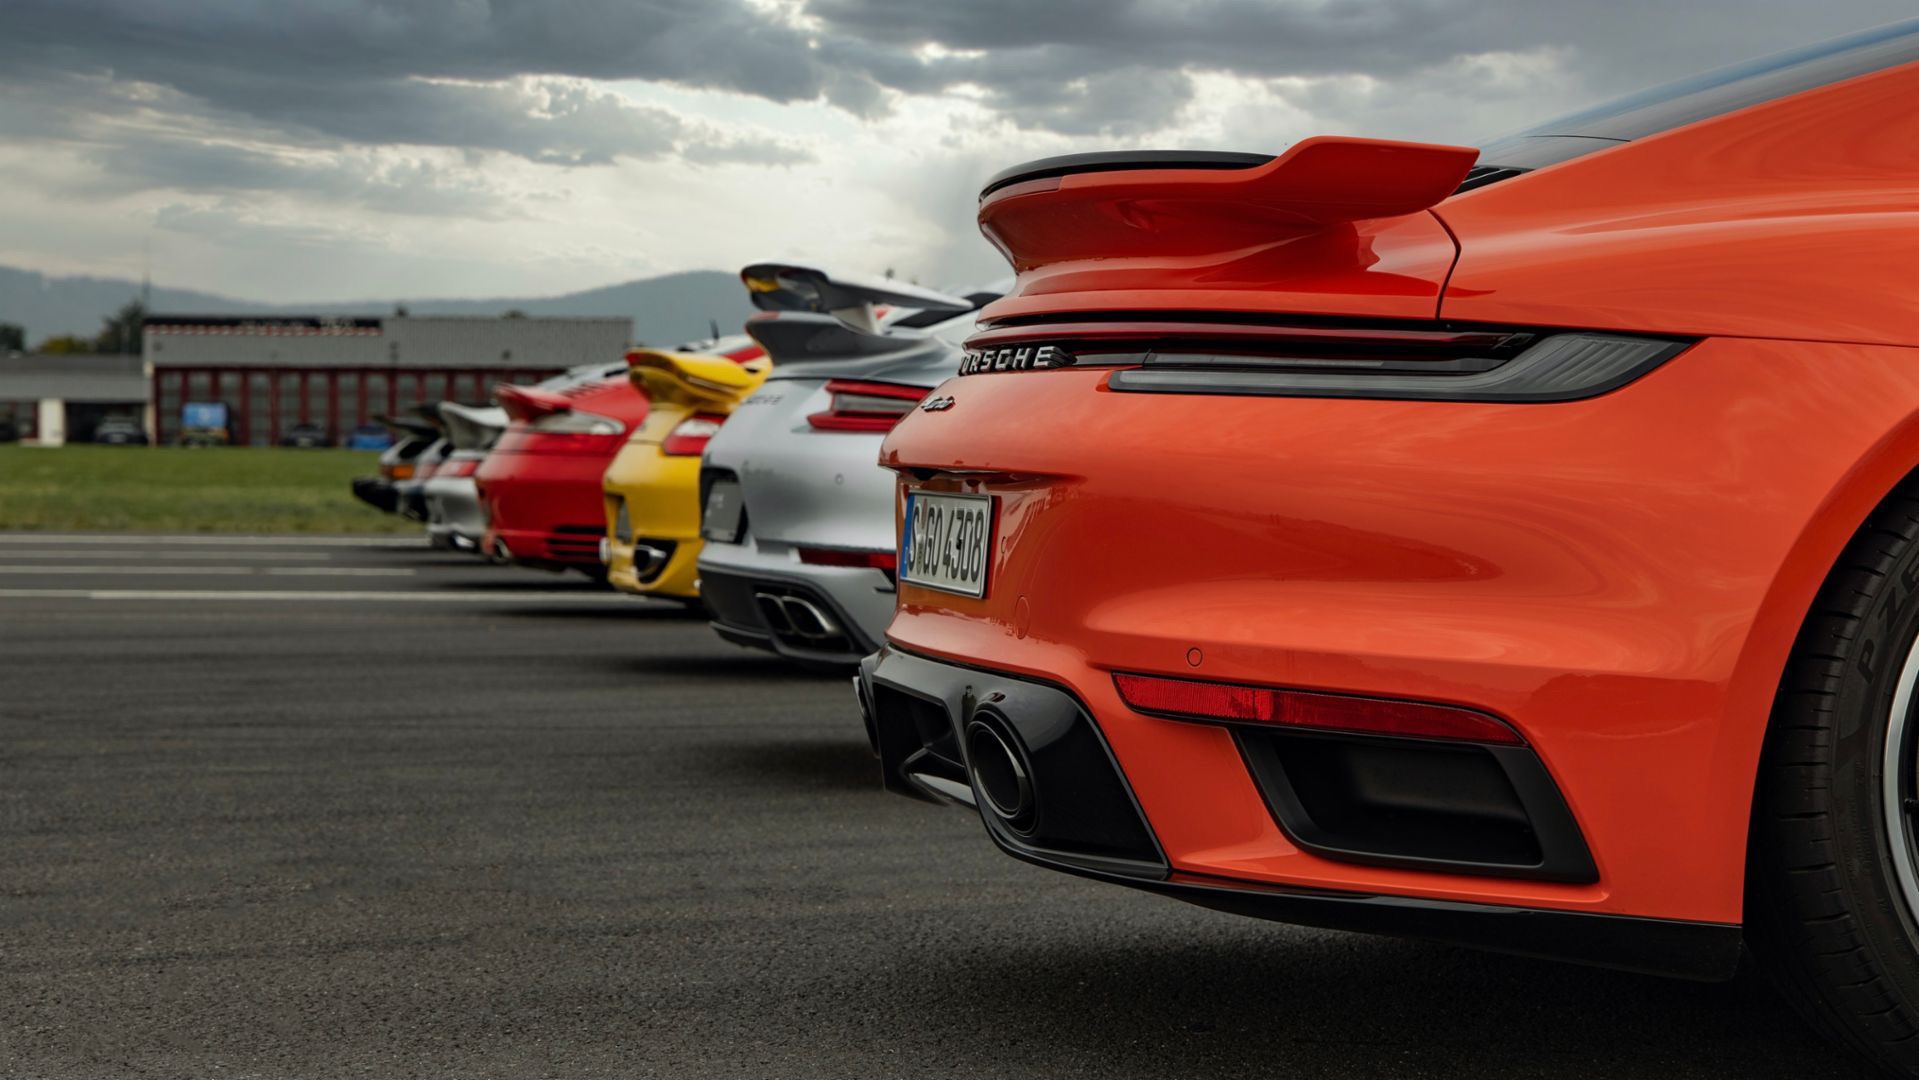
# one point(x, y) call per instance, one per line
point(997, 765)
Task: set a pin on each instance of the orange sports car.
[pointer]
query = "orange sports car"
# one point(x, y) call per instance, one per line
point(1516, 546)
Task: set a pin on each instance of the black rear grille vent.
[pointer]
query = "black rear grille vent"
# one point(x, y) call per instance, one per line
point(1481, 175)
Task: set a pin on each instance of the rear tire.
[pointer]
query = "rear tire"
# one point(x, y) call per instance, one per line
point(1832, 891)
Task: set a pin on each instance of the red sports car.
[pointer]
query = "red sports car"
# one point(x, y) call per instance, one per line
point(1515, 545)
point(541, 481)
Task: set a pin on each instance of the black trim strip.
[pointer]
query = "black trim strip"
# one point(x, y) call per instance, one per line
point(1700, 951)
point(1121, 161)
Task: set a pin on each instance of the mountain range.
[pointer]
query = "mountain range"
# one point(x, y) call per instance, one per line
point(665, 310)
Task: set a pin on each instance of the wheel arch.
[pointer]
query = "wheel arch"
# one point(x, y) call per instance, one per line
point(1890, 463)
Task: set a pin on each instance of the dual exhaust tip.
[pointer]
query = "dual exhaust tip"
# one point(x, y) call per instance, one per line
point(797, 617)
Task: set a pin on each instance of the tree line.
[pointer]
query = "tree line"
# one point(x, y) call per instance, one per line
point(119, 333)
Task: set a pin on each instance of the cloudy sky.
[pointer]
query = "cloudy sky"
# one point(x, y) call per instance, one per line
point(342, 149)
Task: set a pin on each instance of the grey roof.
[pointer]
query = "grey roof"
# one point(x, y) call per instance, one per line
point(436, 341)
point(83, 377)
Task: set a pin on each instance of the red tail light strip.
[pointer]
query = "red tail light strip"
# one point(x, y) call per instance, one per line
point(690, 436)
point(1195, 700)
point(866, 406)
point(877, 560)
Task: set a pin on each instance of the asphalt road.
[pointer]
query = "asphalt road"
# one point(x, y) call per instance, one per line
point(337, 809)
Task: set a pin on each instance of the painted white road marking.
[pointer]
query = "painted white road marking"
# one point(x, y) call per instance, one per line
point(233, 541)
point(175, 556)
point(209, 571)
point(277, 595)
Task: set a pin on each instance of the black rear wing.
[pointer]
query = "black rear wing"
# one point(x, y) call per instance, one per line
point(853, 298)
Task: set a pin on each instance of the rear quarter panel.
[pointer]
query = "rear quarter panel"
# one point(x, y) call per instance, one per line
point(801, 485)
point(1794, 219)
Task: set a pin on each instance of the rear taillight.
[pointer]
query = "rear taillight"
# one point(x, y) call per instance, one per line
point(1406, 363)
point(877, 560)
point(399, 471)
point(571, 422)
point(466, 467)
point(1195, 700)
point(866, 406)
point(690, 436)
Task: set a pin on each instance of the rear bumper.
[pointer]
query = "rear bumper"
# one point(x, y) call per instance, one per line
point(455, 518)
point(752, 593)
point(377, 493)
point(654, 566)
point(544, 509)
point(1620, 579)
point(661, 494)
point(1087, 822)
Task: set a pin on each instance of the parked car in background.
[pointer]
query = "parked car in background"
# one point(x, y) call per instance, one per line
point(650, 523)
point(369, 437)
point(799, 555)
point(396, 464)
point(541, 483)
point(305, 437)
point(455, 517)
point(1511, 546)
point(120, 431)
point(410, 492)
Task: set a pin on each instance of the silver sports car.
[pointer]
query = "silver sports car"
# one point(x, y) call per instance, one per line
point(799, 554)
point(455, 517)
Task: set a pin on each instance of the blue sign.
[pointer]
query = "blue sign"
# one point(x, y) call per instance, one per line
point(204, 415)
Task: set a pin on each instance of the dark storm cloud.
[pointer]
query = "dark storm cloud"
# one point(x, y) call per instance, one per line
point(1078, 66)
point(454, 73)
point(356, 179)
point(514, 76)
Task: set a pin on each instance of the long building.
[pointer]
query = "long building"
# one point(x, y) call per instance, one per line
point(55, 397)
point(337, 373)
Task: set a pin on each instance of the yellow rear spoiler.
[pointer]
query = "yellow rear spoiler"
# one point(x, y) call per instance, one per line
point(692, 378)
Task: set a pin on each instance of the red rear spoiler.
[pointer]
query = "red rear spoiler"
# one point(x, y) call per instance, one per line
point(527, 404)
point(1116, 212)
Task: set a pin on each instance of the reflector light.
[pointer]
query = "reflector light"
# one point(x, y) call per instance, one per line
point(877, 560)
point(1190, 699)
point(866, 406)
point(690, 436)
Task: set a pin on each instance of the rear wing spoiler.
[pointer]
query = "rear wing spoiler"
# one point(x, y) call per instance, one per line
point(529, 403)
point(471, 428)
point(851, 298)
point(799, 337)
point(404, 428)
point(690, 377)
point(1170, 204)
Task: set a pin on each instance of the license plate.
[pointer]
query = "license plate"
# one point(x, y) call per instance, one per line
point(720, 517)
point(946, 540)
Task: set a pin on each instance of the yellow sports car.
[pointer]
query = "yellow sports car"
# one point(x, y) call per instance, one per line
point(653, 486)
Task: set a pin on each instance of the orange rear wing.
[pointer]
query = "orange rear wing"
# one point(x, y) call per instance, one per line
point(1190, 205)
